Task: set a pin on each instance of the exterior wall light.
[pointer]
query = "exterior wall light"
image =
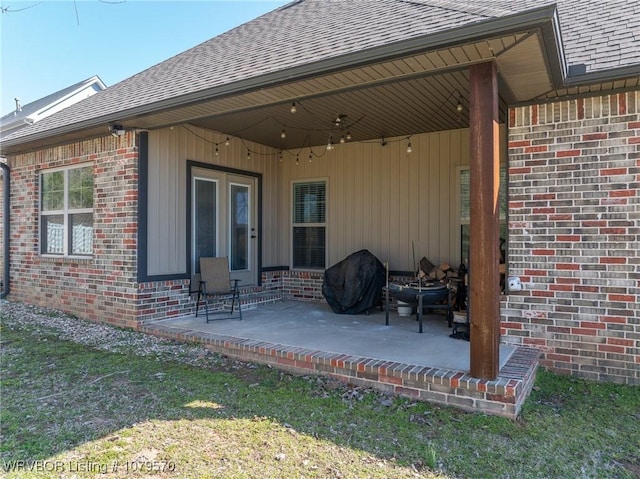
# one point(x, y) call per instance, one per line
point(117, 130)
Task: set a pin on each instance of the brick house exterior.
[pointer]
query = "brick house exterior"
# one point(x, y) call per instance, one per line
point(101, 288)
point(574, 217)
point(573, 162)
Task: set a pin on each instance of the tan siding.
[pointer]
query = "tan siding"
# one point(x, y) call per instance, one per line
point(169, 150)
point(385, 200)
point(380, 198)
point(166, 207)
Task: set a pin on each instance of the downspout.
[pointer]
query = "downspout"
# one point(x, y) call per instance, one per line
point(6, 179)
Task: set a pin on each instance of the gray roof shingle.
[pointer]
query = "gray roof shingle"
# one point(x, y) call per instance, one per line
point(603, 35)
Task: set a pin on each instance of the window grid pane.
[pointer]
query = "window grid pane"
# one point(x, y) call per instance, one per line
point(52, 234)
point(465, 205)
point(53, 191)
point(309, 203)
point(239, 227)
point(80, 188)
point(69, 194)
point(205, 220)
point(81, 233)
point(309, 229)
point(465, 210)
point(309, 247)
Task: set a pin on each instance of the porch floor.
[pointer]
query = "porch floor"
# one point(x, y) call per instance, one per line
point(307, 337)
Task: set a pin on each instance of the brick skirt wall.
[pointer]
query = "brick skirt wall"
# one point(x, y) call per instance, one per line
point(303, 285)
point(163, 299)
point(574, 235)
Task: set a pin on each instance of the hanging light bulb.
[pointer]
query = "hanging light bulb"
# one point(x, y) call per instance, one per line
point(330, 144)
point(283, 134)
point(226, 142)
point(217, 151)
point(459, 105)
point(293, 107)
point(281, 158)
point(409, 149)
point(348, 135)
point(297, 160)
point(248, 155)
point(342, 140)
point(310, 158)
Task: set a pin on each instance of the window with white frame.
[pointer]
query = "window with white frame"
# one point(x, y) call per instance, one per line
point(465, 211)
point(66, 211)
point(309, 225)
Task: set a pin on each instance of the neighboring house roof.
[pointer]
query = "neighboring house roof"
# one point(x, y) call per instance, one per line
point(596, 40)
point(30, 113)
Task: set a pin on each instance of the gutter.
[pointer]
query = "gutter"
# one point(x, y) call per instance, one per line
point(544, 18)
point(609, 75)
point(6, 179)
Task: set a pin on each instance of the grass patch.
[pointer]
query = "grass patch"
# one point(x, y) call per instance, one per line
point(86, 411)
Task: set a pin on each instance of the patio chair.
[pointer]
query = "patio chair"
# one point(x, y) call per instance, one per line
point(214, 284)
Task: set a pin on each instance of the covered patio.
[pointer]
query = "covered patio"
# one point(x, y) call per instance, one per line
point(372, 131)
point(308, 338)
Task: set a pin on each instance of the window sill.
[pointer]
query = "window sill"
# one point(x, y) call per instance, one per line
point(65, 259)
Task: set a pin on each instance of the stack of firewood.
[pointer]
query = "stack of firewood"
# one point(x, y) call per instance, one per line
point(431, 272)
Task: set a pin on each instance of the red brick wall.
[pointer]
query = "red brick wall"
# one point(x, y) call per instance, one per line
point(164, 299)
point(303, 285)
point(100, 288)
point(574, 235)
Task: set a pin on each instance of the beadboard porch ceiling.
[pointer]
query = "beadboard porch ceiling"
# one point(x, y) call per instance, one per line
point(403, 89)
point(417, 93)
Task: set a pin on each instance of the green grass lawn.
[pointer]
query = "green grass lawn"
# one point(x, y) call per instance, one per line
point(70, 410)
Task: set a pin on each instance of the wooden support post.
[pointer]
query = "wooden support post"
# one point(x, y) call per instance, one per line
point(484, 255)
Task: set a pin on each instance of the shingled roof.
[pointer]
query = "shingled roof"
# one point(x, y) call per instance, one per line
point(601, 38)
point(48, 105)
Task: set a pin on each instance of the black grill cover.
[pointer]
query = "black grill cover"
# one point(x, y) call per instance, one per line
point(354, 285)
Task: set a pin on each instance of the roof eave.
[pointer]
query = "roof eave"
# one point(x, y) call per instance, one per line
point(602, 76)
point(543, 18)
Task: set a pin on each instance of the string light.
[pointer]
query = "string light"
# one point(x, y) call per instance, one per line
point(330, 144)
point(339, 120)
point(293, 108)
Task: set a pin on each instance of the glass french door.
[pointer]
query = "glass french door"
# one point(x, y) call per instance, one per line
point(224, 221)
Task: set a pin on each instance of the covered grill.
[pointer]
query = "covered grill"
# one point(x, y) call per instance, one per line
point(354, 285)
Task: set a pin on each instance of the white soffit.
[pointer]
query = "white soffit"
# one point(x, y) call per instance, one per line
point(523, 68)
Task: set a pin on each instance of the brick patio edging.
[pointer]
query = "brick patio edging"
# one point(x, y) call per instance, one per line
point(504, 396)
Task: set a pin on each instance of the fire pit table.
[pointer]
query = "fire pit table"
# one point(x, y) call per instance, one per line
point(430, 297)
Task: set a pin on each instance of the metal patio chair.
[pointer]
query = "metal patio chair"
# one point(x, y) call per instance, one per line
point(214, 284)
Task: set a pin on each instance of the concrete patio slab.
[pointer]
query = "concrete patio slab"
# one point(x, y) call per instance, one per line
point(308, 338)
point(316, 326)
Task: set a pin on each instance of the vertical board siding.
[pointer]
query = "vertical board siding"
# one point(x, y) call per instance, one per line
point(379, 197)
point(169, 150)
point(387, 201)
